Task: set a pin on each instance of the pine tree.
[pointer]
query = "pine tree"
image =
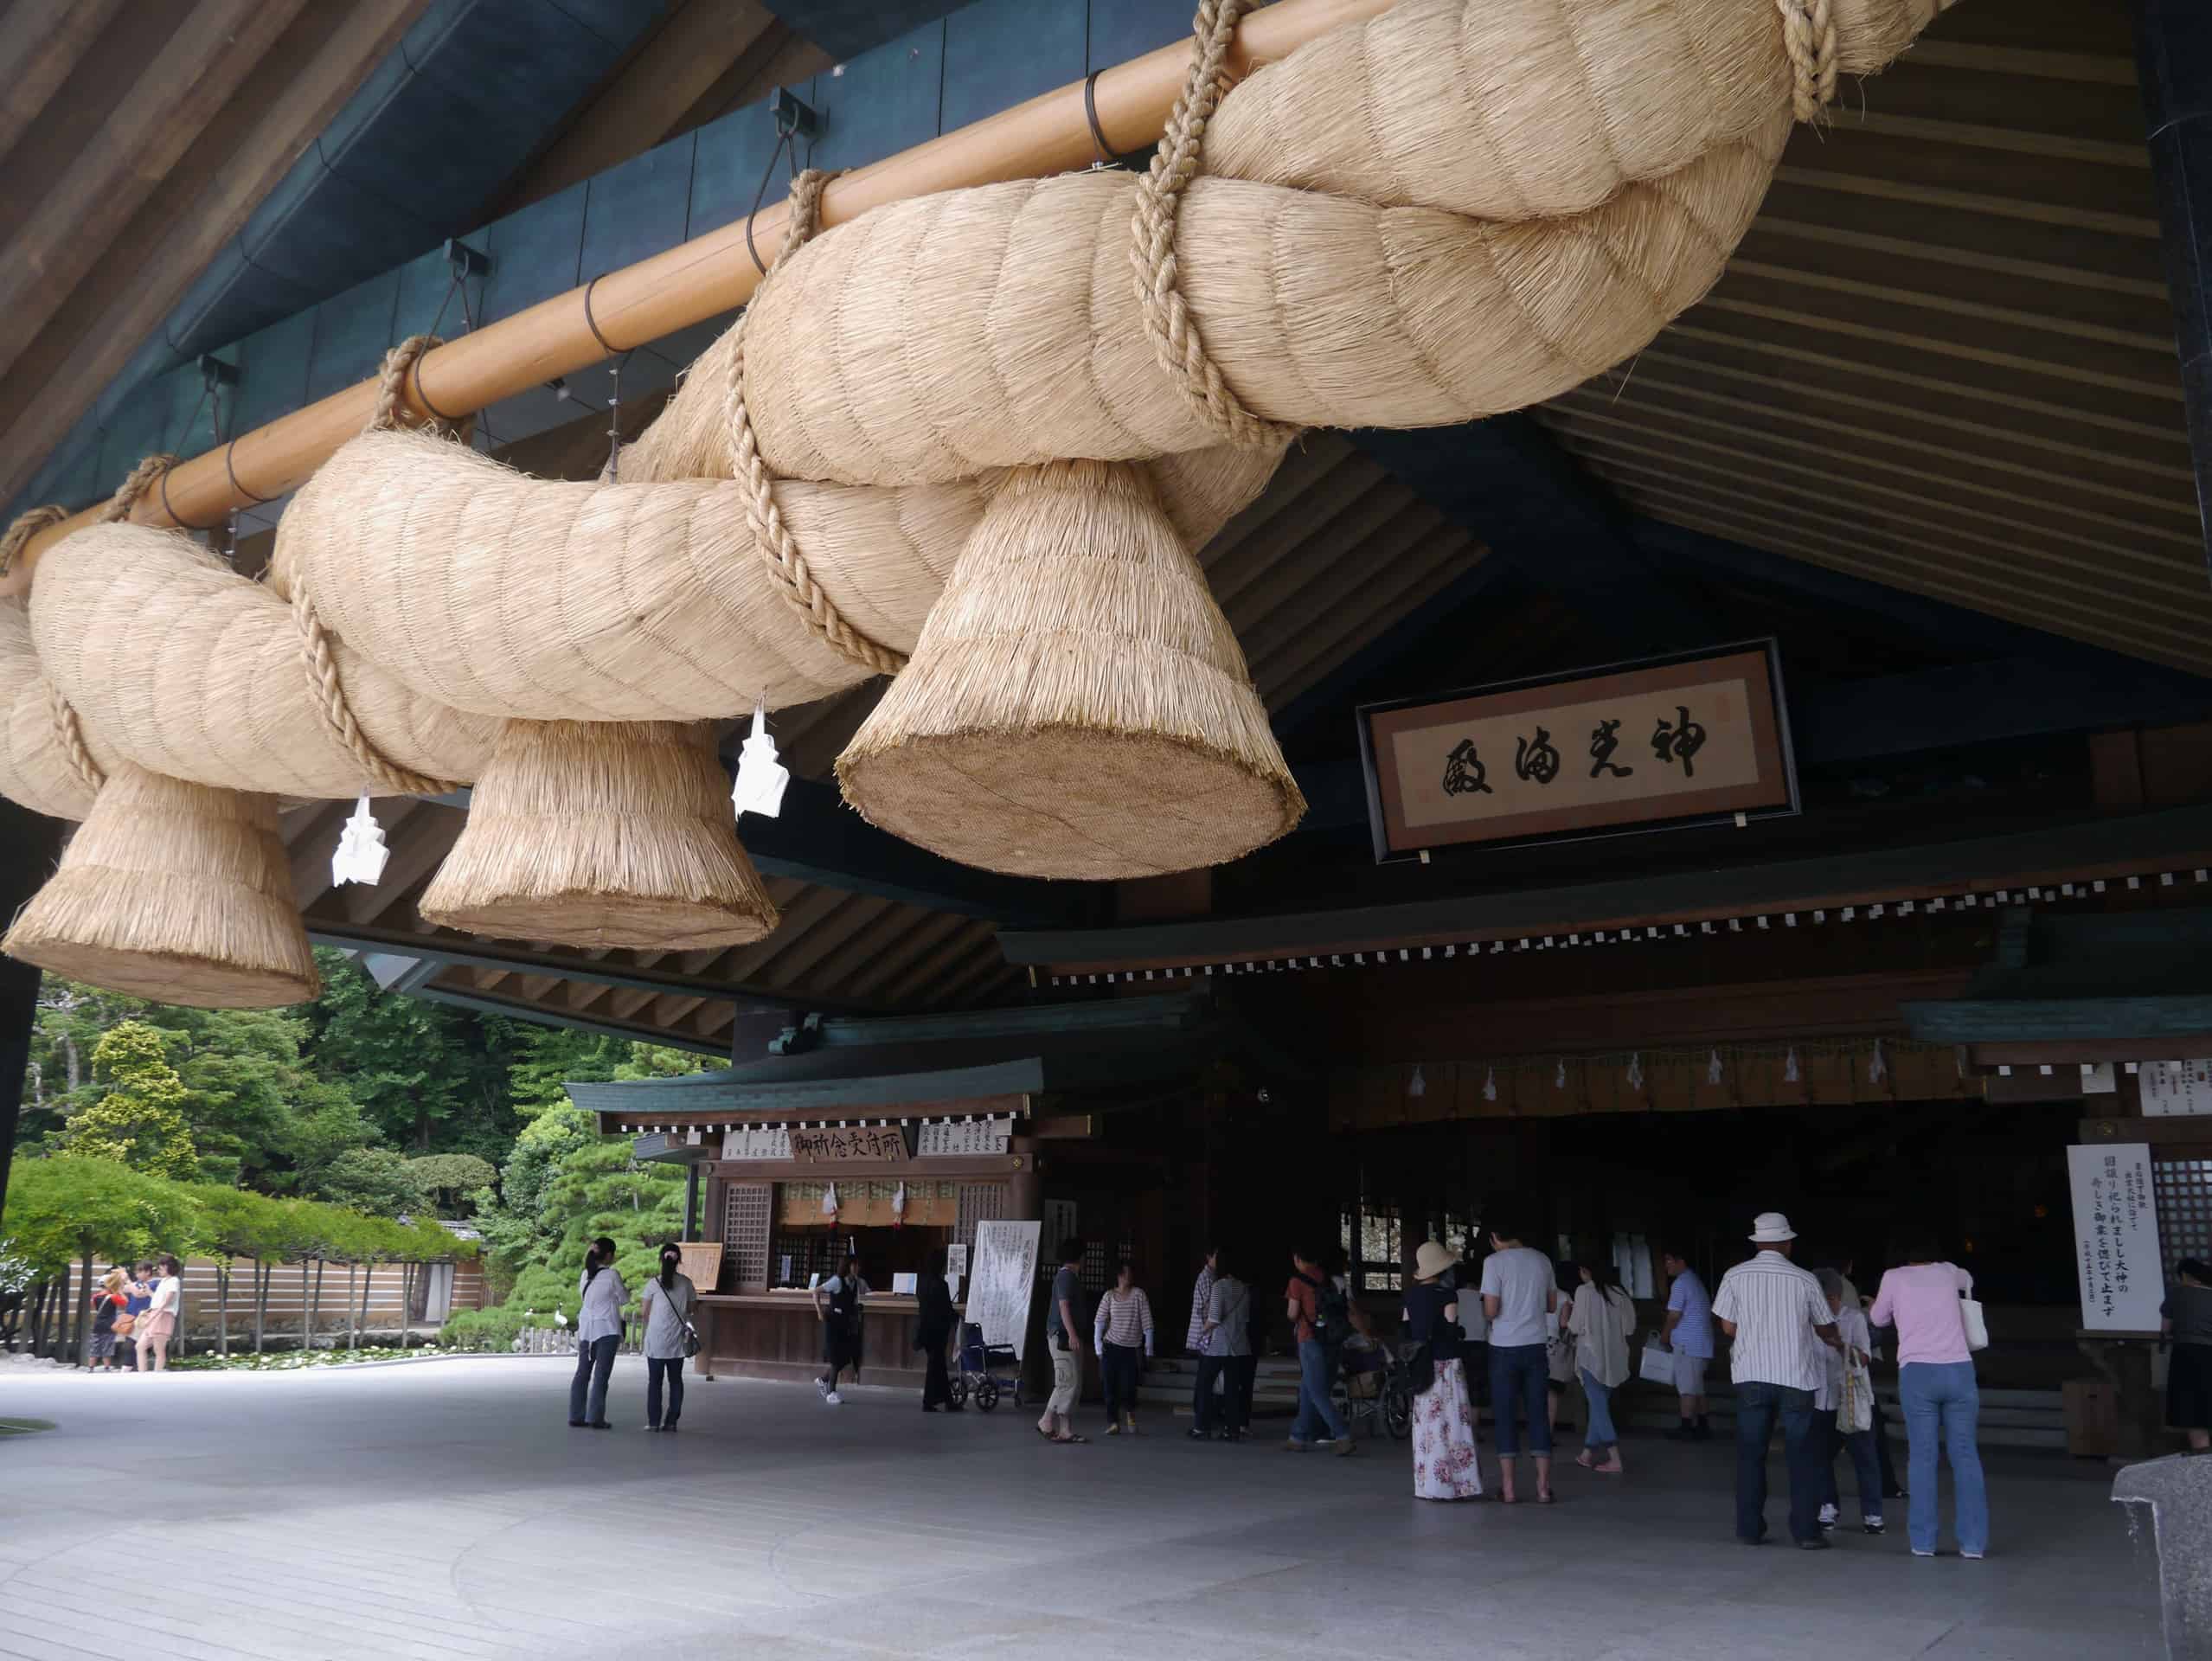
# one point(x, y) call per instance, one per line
point(137, 1122)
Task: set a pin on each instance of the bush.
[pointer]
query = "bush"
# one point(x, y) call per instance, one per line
point(489, 1329)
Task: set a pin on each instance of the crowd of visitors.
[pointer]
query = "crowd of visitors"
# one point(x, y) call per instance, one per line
point(134, 1315)
point(1802, 1344)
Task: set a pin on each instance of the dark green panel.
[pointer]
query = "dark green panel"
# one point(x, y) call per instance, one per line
point(999, 53)
point(635, 210)
point(725, 169)
point(272, 371)
point(427, 302)
point(535, 253)
point(1122, 30)
point(883, 101)
point(353, 331)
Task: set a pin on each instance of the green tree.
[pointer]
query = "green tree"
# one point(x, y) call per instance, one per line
point(137, 1122)
point(447, 1177)
point(375, 1180)
point(63, 1212)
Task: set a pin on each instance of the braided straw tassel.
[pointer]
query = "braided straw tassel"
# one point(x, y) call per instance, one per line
point(1077, 705)
point(176, 892)
point(602, 833)
point(168, 890)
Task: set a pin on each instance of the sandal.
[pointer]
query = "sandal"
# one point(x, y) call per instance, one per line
point(1547, 1499)
point(1069, 1441)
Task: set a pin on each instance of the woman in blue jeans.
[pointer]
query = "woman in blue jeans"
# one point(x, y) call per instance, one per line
point(599, 1334)
point(1936, 1384)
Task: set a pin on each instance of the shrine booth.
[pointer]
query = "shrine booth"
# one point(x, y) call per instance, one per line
point(897, 1138)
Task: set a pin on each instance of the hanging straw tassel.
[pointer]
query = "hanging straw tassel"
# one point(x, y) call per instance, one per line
point(1076, 705)
point(176, 892)
point(601, 833)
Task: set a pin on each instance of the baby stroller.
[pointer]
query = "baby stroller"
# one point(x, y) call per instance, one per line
point(980, 1364)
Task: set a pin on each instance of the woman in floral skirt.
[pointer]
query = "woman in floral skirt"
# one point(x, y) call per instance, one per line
point(1445, 1466)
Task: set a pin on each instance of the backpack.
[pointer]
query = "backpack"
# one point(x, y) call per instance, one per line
point(1332, 1319)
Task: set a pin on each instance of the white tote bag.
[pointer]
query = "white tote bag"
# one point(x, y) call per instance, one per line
point(1970, 1313)
point(1656, 1366)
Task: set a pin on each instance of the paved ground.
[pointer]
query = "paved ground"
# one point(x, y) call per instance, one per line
point(444, 1510)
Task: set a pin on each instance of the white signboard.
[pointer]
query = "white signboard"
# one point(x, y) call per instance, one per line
point(2175, 1087)
point(1006, 1276)
point(2116, 1237)
point(956, 1262)
point(757, 1142)
point(964, 1138)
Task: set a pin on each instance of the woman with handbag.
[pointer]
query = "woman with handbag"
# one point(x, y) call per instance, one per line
point(666, 1305)
point(1599, 1320)
point(1445, 1463)
point(1925, 1301)
point(1845, 1406)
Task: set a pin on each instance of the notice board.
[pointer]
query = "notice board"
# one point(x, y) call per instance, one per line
point(1005, 1279)
point(2116, 1237)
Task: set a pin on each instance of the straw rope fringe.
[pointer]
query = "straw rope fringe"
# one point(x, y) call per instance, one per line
point(1809, 36)
point(1174, 335)
point(780, 550)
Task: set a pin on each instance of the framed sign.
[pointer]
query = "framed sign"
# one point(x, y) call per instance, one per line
point(1698, 737)
point(846, 1144)
point(2116, 1237)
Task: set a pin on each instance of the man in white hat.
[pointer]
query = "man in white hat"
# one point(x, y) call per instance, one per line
point(1776, 1317)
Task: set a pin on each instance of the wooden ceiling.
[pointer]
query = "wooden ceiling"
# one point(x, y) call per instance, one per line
point(131, 150)
point(1944, 357)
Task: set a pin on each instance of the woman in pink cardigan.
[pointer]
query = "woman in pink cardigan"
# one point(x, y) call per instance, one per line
point(1935, 1382)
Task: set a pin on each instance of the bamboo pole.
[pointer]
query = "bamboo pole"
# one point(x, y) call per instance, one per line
point(703, 277)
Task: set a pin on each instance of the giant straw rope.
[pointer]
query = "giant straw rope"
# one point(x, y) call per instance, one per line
point(1455, 208)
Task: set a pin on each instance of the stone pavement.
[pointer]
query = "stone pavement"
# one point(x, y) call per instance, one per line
point(445, 1511)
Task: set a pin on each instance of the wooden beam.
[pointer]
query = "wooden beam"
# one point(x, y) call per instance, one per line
point(211, 191)
point(41, 45)
point(311, 835)
point(669, 1010)
point(78, 212)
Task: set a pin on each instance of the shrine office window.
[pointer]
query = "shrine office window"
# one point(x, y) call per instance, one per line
point(2182, 1189)
point(1373, 1240)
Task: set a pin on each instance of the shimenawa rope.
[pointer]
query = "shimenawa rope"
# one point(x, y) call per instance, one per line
point(1151, 253)
point(320, 660)
point(779, 551)
point(69, 731)
point(26, 526)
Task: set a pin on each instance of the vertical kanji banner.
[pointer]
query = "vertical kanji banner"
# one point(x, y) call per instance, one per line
point(2116, 1237)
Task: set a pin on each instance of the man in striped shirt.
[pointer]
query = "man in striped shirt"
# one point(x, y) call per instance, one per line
point(1777, 1318)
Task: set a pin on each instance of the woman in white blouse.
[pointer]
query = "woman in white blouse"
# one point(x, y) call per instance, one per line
point(158, 1324)
point(599, 1334)
point(665, 1305)
point(1600, 1320)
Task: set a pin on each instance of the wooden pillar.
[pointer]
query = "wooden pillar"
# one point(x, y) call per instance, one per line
point(29, 844)
point(2174, 64)
point(1025, 1187)
point(691, 1201)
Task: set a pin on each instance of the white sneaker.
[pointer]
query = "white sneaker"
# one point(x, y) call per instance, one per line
point(821, 1390)
point(1829, 1516)
point(834, 1399)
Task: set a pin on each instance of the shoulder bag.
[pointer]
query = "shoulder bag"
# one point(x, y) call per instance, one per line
point(1970, 1315)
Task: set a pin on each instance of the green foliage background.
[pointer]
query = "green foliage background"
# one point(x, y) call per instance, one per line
point(284, 1134)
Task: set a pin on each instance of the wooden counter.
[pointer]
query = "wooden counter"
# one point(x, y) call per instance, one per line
point(776, 1335)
